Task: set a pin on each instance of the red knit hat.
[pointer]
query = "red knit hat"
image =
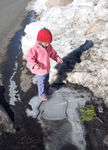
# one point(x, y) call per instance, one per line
point(44, 35)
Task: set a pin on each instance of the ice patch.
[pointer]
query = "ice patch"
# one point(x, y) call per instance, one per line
point(63, 104)
point(34, 103)
point(55, 108)
point(13, 93)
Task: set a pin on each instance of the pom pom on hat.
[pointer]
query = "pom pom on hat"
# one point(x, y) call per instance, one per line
point(44, 35)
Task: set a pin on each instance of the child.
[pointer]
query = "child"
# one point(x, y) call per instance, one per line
point(38, 59)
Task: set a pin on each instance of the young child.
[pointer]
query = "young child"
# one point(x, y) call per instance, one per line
point(38, 59)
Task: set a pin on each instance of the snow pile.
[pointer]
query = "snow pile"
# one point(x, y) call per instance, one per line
point(71, 26)
point(37, 5)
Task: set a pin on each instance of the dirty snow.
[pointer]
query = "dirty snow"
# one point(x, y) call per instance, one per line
point(68, 26)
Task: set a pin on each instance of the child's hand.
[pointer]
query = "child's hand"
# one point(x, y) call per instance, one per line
point(36, 66)
point(60, 60)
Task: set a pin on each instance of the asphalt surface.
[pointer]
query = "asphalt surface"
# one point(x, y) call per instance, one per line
point(12, 12)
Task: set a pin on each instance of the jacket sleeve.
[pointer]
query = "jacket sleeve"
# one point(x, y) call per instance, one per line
point(31, 57)
point(53, 54)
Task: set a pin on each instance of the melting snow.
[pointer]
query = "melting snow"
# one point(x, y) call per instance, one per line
point(68, 25)
point(13, 93)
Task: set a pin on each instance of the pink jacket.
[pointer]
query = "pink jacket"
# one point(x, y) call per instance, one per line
point(39, 55)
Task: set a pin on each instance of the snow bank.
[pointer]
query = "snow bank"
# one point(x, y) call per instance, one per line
point(71, 26)
point(37, 5)
point(67, 25)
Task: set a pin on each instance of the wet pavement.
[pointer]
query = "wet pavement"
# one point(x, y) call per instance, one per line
point(11, 15)
point(28, 134)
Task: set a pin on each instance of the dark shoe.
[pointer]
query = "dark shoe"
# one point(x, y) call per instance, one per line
point(49, 92)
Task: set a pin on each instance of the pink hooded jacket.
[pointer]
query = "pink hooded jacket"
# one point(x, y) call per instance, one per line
point(39, 55)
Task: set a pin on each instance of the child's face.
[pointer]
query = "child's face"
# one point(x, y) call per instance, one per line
point(45, 44)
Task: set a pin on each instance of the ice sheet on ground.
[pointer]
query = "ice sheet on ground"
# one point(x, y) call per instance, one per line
point(34, 103)
point(55, 108)
point(64, 103)
point(13, 92)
